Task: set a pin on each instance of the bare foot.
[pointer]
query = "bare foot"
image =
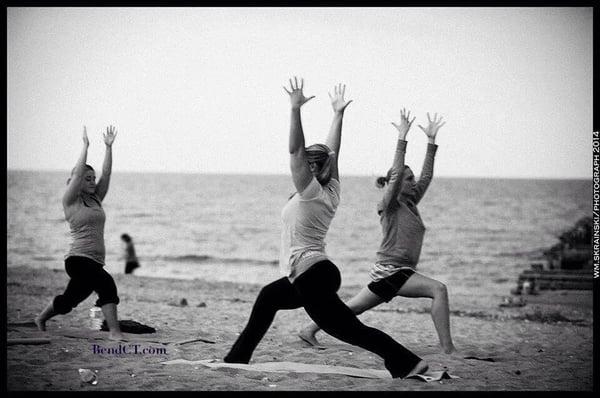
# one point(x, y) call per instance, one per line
point(117, 336)
point(310, 338)
point(420, 368)
point(41, 324)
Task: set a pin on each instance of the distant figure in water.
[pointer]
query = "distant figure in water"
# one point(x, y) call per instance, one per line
point(393, 273)
point(84, 263)
point(310, 279)
point(131, 261)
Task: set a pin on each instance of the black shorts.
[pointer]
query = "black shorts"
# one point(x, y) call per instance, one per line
point(130, 266)
point(388, 287)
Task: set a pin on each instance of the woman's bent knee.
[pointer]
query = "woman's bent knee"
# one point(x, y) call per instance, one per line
point(108, 300)
point(439, 289)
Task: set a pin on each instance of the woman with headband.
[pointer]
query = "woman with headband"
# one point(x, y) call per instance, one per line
point(311, 280)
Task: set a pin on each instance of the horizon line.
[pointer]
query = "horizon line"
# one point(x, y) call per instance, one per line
point(281, 174)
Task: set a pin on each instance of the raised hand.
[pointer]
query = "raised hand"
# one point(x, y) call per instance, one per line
point(337, 100)
point(109, 136)
point(433, 127)
point(297, 97)
point(404, 124)
point(86, 141)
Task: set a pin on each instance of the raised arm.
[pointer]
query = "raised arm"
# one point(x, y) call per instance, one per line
point(427, 171)
point(74, 184)
point(395, 182)
point(334, 138)
point(103, 183)
point(301, 174)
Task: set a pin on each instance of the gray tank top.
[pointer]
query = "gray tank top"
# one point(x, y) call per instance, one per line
point(87, 229)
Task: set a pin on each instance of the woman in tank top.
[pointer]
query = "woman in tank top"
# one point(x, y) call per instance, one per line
point(310, 279)
point(84, 262)
point(393, 273)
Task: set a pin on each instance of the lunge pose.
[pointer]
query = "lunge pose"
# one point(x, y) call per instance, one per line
point(393, 273)
point(311, 280)
point(84, 263)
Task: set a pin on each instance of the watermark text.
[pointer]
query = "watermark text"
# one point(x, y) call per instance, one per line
point(128, 349)
point(596, 201)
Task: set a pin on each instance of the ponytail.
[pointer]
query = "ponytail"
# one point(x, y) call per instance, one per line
point(381, 181)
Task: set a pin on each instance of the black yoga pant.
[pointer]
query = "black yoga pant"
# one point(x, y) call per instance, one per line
point(87, 276)
point(315, 290)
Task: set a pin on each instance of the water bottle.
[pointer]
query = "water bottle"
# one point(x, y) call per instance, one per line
point(527, 287)
point(96, 318)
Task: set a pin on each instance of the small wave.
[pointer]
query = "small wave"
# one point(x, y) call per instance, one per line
point(525, 253)
point(204, 258)
point(138, 215)
point(43, 258)
point(193, 258)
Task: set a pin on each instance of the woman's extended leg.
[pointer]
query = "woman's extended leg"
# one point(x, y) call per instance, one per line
point(363, 301)
point(46, 314)
point(273, 297)
point(78, 289)
point(421, 286)
point(317, 287)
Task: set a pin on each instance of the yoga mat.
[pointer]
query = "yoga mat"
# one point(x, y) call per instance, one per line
point(27, 324)
point(161, 336)
point(27, 341)
point(288, 367)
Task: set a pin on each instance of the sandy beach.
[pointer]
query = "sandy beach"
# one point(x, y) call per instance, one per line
point(544, 345)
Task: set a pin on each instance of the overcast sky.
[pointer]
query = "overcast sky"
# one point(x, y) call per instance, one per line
point(200, 89)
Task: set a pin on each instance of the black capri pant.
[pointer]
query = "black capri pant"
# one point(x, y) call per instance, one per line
point(315, 290)
point(87, 276)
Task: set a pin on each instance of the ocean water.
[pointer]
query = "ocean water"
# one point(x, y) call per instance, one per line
point(480, 232)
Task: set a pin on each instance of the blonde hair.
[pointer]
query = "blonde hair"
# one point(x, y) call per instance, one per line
point(322, 156)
